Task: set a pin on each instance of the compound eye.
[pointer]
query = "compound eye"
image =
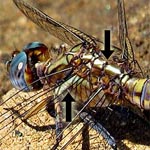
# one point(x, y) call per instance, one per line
point(22, 69)
point(16, 69)
point(37, 51)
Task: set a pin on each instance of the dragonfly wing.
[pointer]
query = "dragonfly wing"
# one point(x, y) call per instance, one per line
point(22, 108)
point(66, 33)
point(80, 134)
point(126, 46)
point(82, 97)
point(123, 33)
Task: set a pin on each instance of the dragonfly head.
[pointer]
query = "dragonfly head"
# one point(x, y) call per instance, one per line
point(21, 67)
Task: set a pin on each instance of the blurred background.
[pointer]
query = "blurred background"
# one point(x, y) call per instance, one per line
point(91, 17)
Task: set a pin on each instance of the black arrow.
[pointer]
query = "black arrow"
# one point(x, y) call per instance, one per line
point(107, 52)
point(68, 99)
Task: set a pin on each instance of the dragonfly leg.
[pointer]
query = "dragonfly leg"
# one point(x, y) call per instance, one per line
point(85, 137)
point(58, 121)
point(87, 118)
point(50, 109)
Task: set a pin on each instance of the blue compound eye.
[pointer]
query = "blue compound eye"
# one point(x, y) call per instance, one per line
point(34, 45)
point(21, 67)
point(16, 71)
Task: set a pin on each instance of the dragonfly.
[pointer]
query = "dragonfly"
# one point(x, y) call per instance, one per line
point(81, 73)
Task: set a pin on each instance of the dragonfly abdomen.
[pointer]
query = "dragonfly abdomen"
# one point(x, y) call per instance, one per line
point(138, 92)
point(136, 89)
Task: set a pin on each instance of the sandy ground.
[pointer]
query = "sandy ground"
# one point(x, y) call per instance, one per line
point(92, 17)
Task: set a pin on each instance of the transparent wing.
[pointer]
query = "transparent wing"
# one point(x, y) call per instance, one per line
point(64, 32)
point(18, 111)
point(75, 130)
point(126, 53)
point(123, 33)
point(22, 112)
